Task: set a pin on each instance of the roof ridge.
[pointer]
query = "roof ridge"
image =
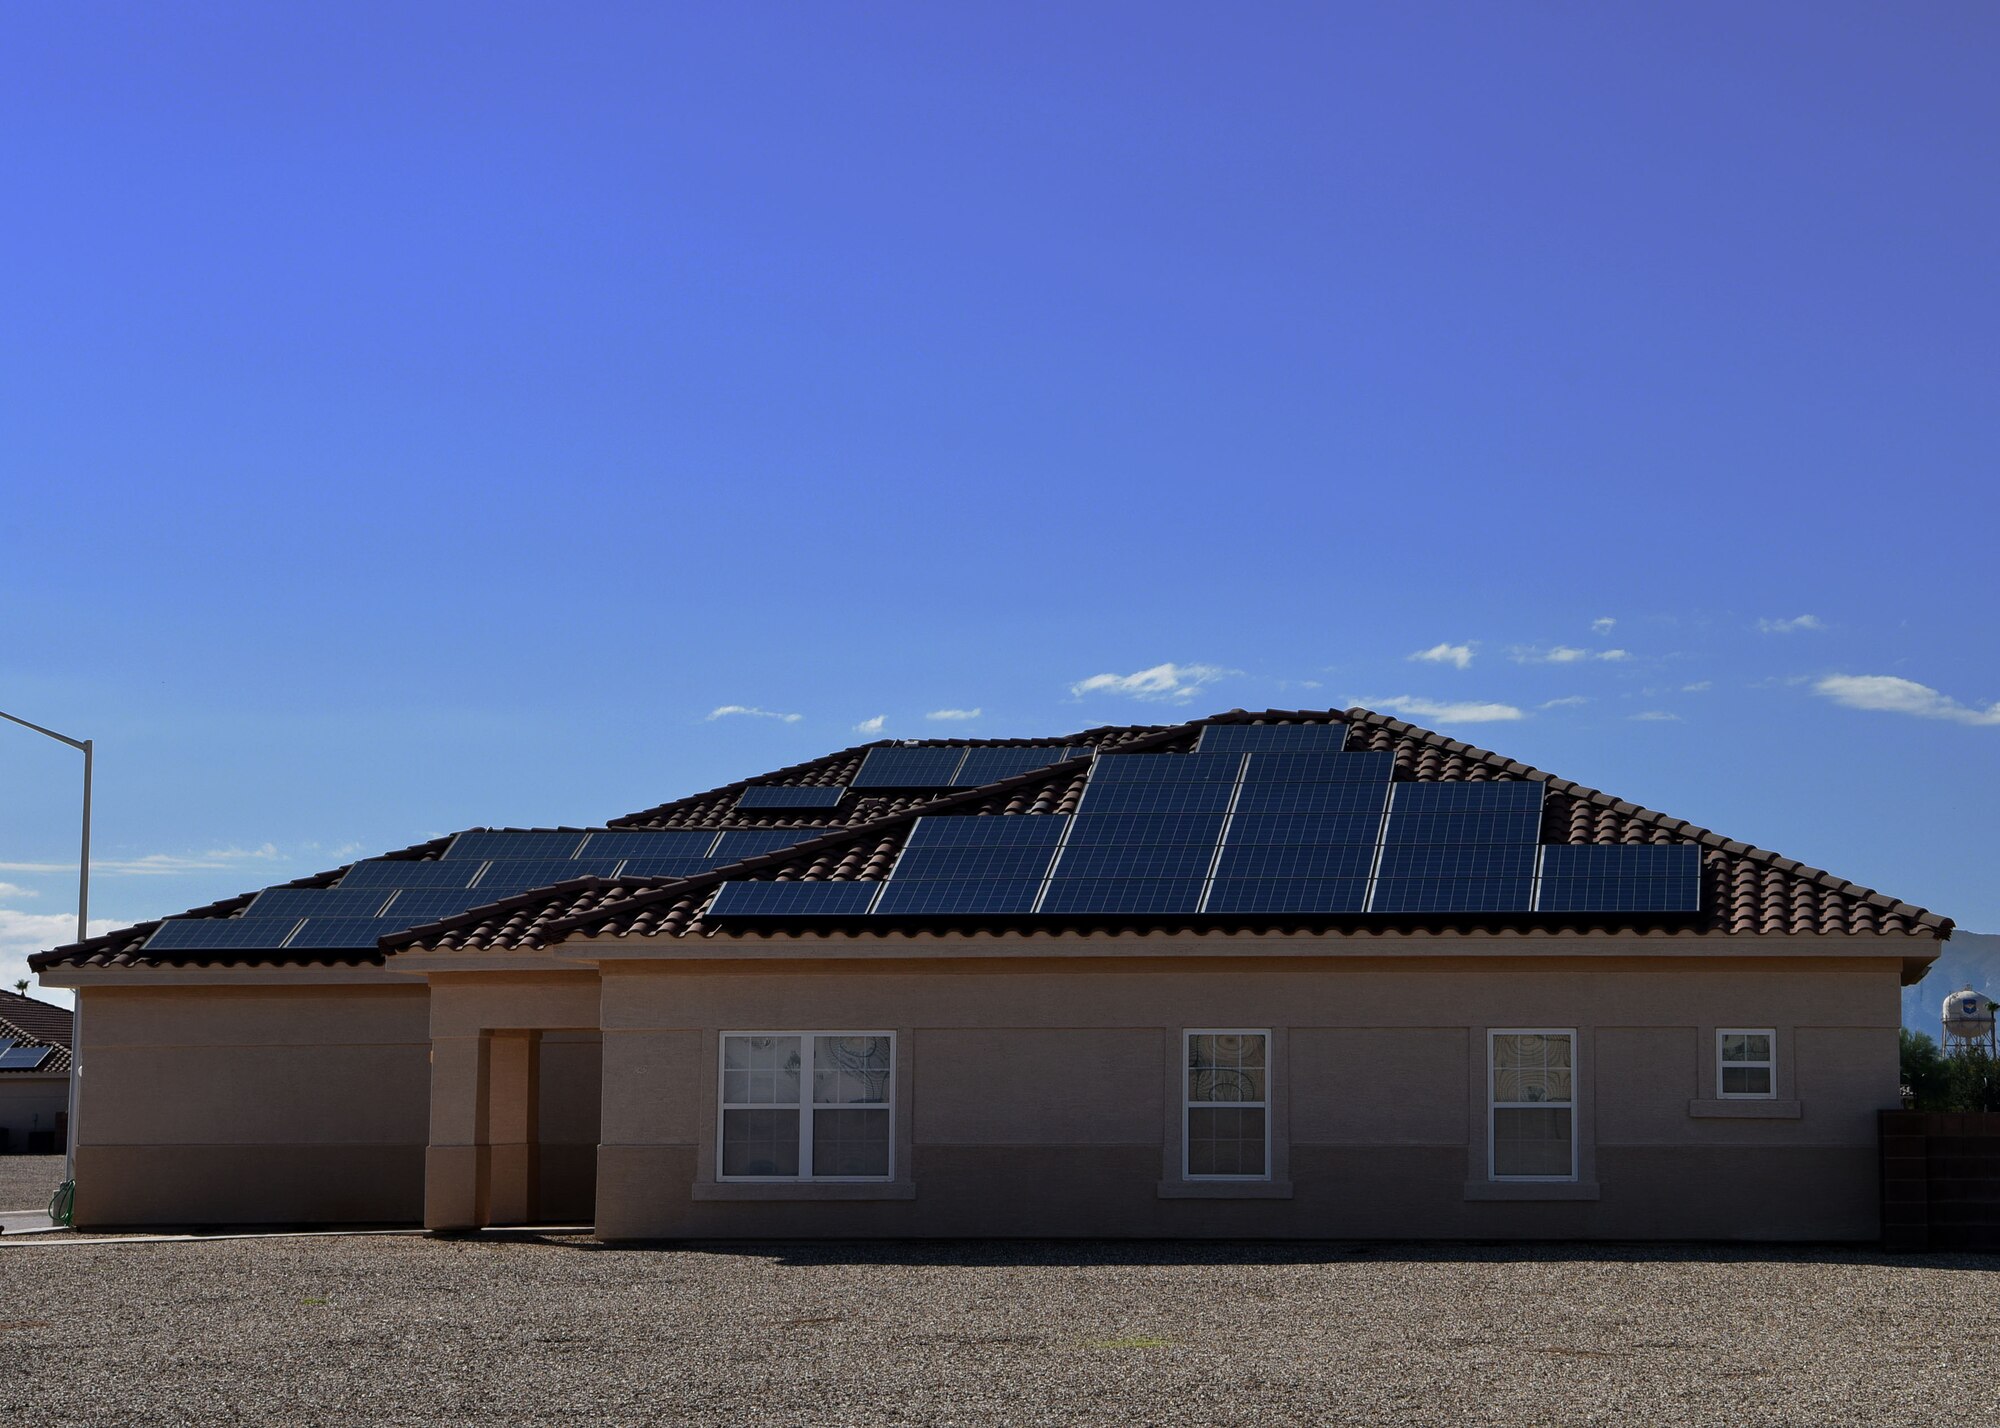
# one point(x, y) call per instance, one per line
point(743, 783)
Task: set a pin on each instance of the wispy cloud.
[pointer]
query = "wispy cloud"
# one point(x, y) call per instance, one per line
point(724, 711)
point(949, 715)
point(1654, 716)
point(872, 726)
point(1698, 686)
point(1786, 627)
point(1885, 693)
point(13, 890)
point(1603, 625)
point(1458, 712)
point(23, 933)
point(1568, 701)
point(1562, 654)
point(1458, 656)
point(1176, 683)
point(159, 863)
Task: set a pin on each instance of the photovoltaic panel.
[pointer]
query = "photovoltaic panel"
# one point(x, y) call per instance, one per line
point(1303, 863)
point(1157, 860)
point(420, 905)
point(1621, 878)
point(1159, 797)
point(1287, 895)
point(1494, 797)
point(972, 864)
point(665, 867)
point(1142, 829)
point(24, 1058)
point(1078, 751)
point(1517, 825)
point(984, 766)
point(318, 902)
point(750, 899)
point(221, 932)
point(1166, 768)
point(1305, 829)
point(771, 795)
point(544, 872)
point(988, 831)
point(909, 768)
point(650, 843)
point(1457, 860)
point(927, 898)
point(1314, 797)
point(1453, 894)
point(410, 873)
point(740, 843)
point(524, 844)
point(1319, 768)
point(344, 931)
point(1122, 895)
point(1288, 738)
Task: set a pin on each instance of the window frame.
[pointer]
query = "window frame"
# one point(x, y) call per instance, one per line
point(1573, 1106)
point(805, 1106)
point(1189, 1104)
point(1769, 1063)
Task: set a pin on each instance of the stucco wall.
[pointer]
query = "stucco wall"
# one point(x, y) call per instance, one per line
point(1040, 1097)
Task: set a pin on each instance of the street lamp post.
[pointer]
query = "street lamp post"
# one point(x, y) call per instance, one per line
point(82, 932)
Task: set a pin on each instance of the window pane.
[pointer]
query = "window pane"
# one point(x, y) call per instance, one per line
point(1226, 1067)
point(1225, 1141)
point(1531, 1085)
point(1746, 1080)
point(760, 1142)
point(760, 1070)
point(1531, 1142)
point(850, 1070)
point(851, 1143)
point(1746, 1046)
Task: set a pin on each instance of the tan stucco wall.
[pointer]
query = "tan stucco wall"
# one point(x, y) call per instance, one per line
point(1039, 1097)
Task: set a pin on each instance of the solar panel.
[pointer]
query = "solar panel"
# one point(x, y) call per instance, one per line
point(650, 843)
point(772, 795)
point(1492, 797)
point(1140, 829)
point(1166, 768)
point(522, 844)
point(994, 896)
point(220, 932)
point(1519, 825)
point(1122, 895)
point(908, 768)
point(1159, 797)
point(344, 931)
point(972, 864)
point(1457, 860)
point(1287, 895)
point(1319, 768)
point(318, 902)
point(24, 1058)
point(1296, 738)
point(1295, 863)
point(984, 766)
point(1078, 751)
point(1158, 860)
point(1313, 797)
point(1514, 894)
point(420, 905)
point(544, 872)
point(1304, 830)
point(665, 867)
point(409, 873)
point(748, 899)
point(989, 831)
point(740, 843)
point(1621, 878)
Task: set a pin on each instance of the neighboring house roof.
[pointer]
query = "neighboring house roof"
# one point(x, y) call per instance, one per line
point(1745, 891)
point(28, 1022)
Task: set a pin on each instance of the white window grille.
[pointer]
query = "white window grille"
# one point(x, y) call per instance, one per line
point(807, 1105)
point(1531, 1090)
point(1226, 1105)
point(1746, 1064)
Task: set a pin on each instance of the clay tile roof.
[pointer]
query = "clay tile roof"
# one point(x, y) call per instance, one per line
point(26, 1021)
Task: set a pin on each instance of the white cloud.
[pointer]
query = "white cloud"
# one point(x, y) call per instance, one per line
point(1175, 682)
point(1655, 716)
point(152, 864)
point(1562, 654)
point(1460, 712)
point(23, 933)
point(1456, 655)
point(1698, 686)
point(723, 711)
point(1603, 626)
point(1568, 701)
point(1785, 627)
point(1887, 694)
point(15, 890)
point(872, 726)
point(954, 714)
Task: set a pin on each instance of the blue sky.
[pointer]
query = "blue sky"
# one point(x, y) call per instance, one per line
point(417, 417)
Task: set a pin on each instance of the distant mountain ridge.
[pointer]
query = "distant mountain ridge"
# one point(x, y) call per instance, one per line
point(1969, 958)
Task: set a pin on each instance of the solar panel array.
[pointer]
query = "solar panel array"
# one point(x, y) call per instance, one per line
point(956, 766)
point(15, 1057)
point(787, 795)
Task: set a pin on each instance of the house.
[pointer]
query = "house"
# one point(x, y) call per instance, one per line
point(34, 1075)
point(1296, 973)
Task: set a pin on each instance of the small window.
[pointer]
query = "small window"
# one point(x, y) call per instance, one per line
point(1532, 1087)
point(807, 1106)
point(1226, 1119)
point(1746, 1065)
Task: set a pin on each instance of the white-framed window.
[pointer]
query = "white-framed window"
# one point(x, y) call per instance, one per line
point(1226, 1104)
point(807, 1105)
point(1531, 1094)
point(1746, 1064)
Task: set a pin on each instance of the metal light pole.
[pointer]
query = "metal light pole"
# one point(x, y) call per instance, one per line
point(82, 933)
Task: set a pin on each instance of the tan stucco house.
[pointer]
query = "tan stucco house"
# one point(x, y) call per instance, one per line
point(34, 1075)
point(1297, 973)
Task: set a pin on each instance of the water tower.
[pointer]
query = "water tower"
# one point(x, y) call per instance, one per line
point(1968, 1022)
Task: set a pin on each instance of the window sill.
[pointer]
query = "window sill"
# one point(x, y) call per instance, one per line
point(1750, 1108)
point(1225, 1190)
point(803, 1190)
point(1531, 1190)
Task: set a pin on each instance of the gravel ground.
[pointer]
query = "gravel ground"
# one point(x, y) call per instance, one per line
point(27, 1181)
point(415, 1330)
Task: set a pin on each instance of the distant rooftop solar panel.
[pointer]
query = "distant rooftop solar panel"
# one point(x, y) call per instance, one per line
point(1164, 768)
point(1287, 895)
point(522, 844)
point(318, 902)
point(1122, 895)
point(972, 864)
point(650, 843)
point(740, 843)
point(1621, 878)
point(1365, 797)
point(775, 795)
point(961, 898)
point(543, 872)
point(416, 906)
point(749, 899)
point(410, 873)
point(1161, 797)
point(984, 766)
point(1291, 738)
point(1078, 751)
point(1319, 768)
point(1157, 860)
point(219, 932)
point(909, 767)
point(1492, 797)
point(1304, 830)
point(1297, 863)
point(992, 830)
point(1514, 825)
point(23, 1058)
point(1457, 860)
point(1144, 829)
point(665, 867)
point(343, 931)
point(1513, 894)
